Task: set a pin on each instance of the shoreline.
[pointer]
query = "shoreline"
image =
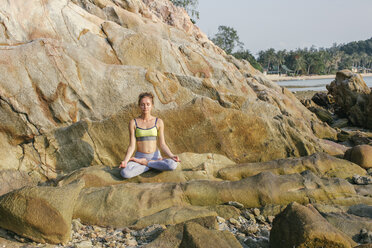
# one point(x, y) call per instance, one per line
point(278, 78)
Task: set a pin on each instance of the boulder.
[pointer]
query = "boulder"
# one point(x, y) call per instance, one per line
point(303, 226)
point(361, 155)
point(353, 96)
point(321, 164)
point(199, 237)
point(42, 214)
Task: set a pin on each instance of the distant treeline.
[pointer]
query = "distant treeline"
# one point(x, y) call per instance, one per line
point(306, 61)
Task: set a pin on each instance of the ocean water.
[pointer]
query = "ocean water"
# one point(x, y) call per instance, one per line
point(314, 84)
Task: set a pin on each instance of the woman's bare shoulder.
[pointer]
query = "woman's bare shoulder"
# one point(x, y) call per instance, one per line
point(132, 122)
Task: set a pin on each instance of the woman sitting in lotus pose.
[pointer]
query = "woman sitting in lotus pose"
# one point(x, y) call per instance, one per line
point(143, 133)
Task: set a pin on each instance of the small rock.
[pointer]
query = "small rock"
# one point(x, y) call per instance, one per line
point(92, 235)
point(126, 230)
point(270, 218)
point(261, 218)
point(222, 226)
point(256, 212)
point(249, 216)
point(252, 242)
point(76, 225)
point(128, 236)
point(264, 232)
point(240, 236)
point(84, 244)
point(250, 229)
point(96, 229)
point(220, 219)
point(112, 244)
point(242, 220)
point(235, 204)
point(365, 236)
point(131, 242)
point(362, 180)
point(234, 222)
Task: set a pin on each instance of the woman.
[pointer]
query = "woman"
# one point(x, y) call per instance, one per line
point(143, 133)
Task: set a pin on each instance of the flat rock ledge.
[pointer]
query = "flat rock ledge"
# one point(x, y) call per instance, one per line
point(207, 187)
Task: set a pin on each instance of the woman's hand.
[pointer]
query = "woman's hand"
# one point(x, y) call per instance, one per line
point(175, 158)
point(123, 164)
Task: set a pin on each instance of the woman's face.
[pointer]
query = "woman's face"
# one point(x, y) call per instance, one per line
point(146, 105)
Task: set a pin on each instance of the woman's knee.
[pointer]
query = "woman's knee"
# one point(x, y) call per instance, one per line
point(172, 165)
point(126, 173)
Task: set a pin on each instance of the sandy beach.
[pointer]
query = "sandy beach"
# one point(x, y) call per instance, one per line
point(277, 77)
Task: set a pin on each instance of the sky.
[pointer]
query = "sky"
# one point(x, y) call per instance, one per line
point(288, 24)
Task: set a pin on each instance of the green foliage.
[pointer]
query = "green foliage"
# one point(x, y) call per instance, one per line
point(246, 54)
point(190, 6)
point(318, 61)
point(227, 38)
point(360, 47)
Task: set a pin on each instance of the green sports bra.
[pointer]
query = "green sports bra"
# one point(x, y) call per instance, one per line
point(146, 133)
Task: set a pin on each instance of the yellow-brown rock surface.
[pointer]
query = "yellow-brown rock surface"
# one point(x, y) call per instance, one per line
point(303, 226)
point(71, 72)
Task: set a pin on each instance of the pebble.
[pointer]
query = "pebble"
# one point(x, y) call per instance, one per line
point(270, 218)
point(76, 225)
point(261, 218)
point(84, 244)
point(365, 236)
point(220, 219)
point(234, 222)
point(249, 216)
point(250, 229)
point(256, 212)
point(131, 242)
point(362, 180)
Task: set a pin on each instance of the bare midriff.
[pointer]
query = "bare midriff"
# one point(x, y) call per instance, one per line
point(146, 146)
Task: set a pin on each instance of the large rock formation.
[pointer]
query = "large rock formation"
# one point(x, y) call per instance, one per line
point(122, 205)
point(352, 97)
point(71, 72)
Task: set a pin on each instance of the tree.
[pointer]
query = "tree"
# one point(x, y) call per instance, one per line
point(189, 6)
point(246, 54)
point(280, 58)
point(267, 58)
point(227, 38)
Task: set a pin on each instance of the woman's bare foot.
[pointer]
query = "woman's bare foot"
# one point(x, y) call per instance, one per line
point(142, 161)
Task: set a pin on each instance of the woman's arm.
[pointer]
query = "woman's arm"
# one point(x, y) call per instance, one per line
point(163, 146)
point(132, 144)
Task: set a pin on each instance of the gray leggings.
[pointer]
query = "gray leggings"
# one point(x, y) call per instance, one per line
point(134, 169)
